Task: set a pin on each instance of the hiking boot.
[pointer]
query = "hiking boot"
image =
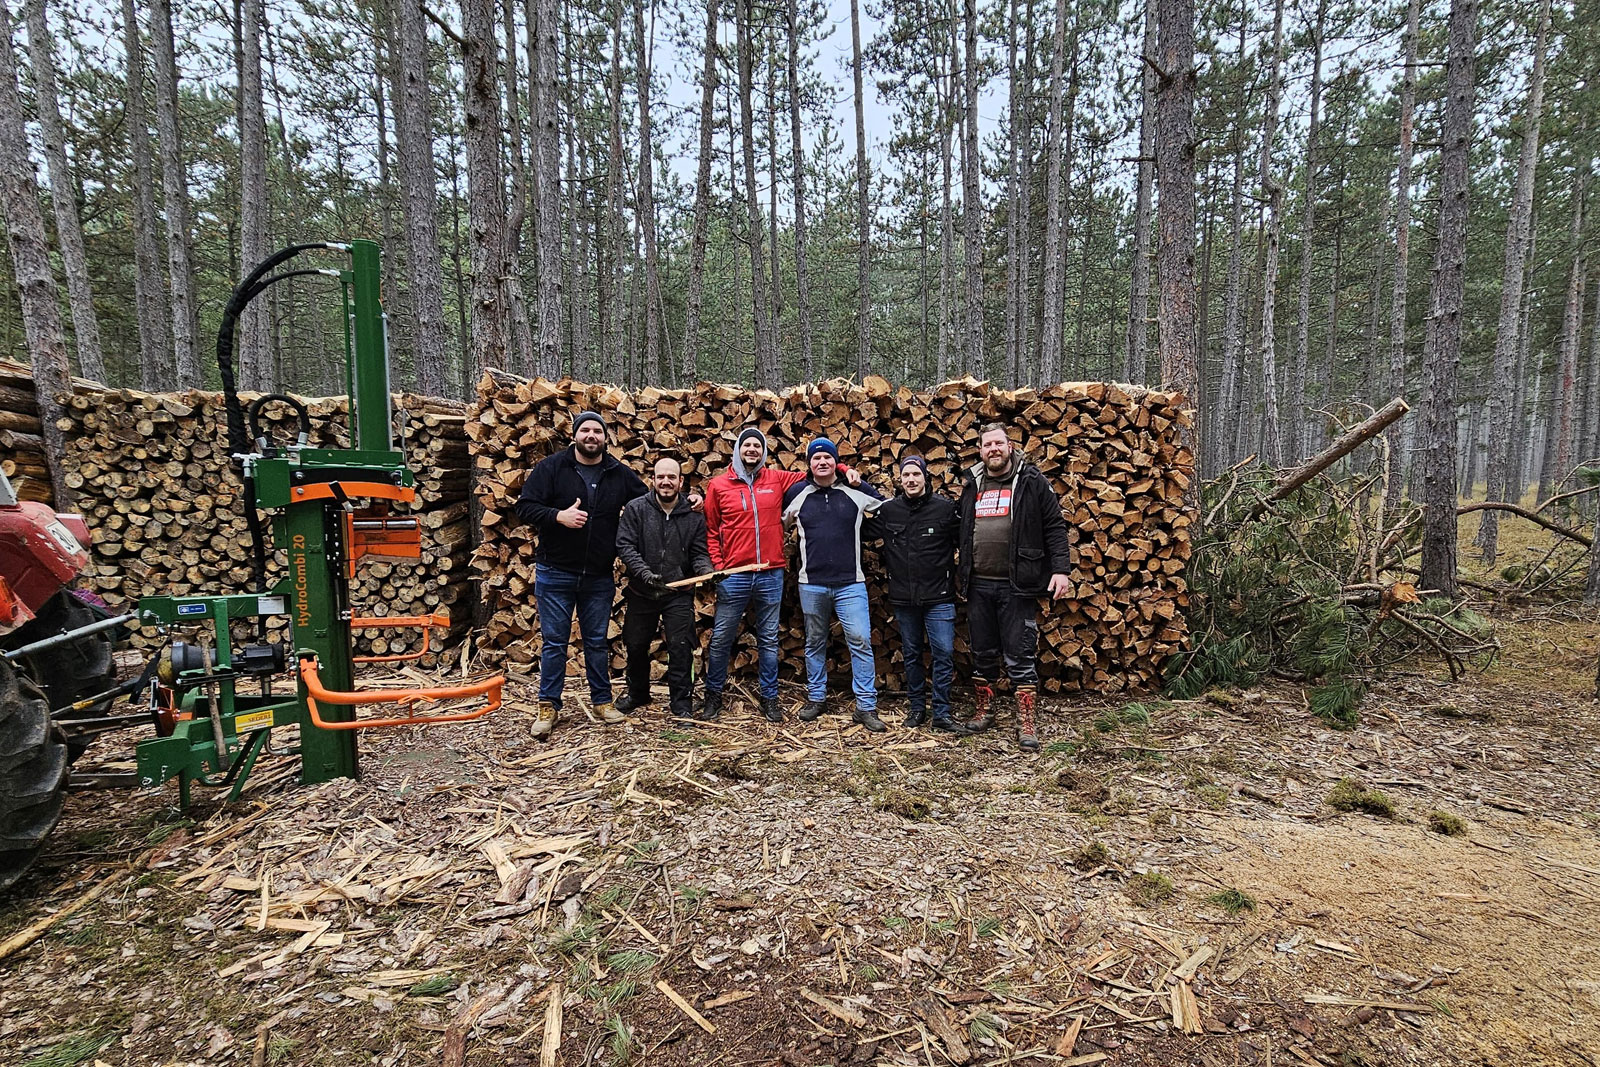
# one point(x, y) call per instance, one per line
point(545, 721)
point(1027, 733)
point(869, 719)
point(712, 708)
point(772, 709)
point(982, 708)
point(682, 713)
point(946, 725)
point(627, 703)
point(812, 711)
point(610, 714)
point(915, 718)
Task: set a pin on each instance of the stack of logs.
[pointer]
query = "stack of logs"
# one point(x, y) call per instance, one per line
point(21, 449)
point(162, 501)
point(1112, 452)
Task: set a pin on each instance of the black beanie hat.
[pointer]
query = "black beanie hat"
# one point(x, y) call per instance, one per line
point(587, 416)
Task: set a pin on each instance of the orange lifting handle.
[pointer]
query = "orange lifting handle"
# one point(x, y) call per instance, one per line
point(400, 622)
point(404, 697)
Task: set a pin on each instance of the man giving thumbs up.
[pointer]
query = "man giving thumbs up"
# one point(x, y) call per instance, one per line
point(573, 500)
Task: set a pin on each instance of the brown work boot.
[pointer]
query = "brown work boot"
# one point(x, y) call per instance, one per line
point(982, 706)
point(1027, 733)
point(609, 714)
point(545, 722)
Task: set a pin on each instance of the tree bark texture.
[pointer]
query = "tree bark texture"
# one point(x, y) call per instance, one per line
point(414, 152)
point(486, 202)
point(1442, 353)
point(647, 202)
point(766, 360)
point(546, 116)
point(1398, 357)
point(802, 267)
point(1272, 194)
point(863, 209)
point(149, 291)
point(1175, 165)
point(1299, 382)
point(1050, 331)
point(972, 200)
point(256, 369)
point(1133, 368)
point(689, 361)
point(175, 195)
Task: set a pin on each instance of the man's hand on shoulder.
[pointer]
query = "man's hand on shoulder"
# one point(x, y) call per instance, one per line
point(697, 502)
point(852, 478)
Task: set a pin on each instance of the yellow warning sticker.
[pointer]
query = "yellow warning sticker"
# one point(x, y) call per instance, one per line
point(255, 720)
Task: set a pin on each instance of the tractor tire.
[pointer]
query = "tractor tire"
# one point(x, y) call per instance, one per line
point(71, 672)
point(33, 773)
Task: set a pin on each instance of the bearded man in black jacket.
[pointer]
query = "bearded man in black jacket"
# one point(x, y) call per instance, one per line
point(921, 531)
point(1015, 548)
point(661, 539)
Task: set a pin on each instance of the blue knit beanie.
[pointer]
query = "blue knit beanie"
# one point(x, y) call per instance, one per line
point(822, 444)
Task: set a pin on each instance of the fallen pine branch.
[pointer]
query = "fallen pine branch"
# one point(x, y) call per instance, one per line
point(1532, 516)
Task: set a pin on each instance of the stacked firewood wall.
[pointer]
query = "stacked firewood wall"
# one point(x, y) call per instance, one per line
point(162, 501)
point(21, 448)
point(1112, 452)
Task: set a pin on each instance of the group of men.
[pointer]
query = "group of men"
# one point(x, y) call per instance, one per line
point(1003, 545)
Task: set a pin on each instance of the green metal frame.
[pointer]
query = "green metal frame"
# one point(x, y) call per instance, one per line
point(313, 595)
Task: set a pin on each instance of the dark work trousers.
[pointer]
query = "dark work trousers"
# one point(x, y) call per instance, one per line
point(644, 617)
point(1003, 625)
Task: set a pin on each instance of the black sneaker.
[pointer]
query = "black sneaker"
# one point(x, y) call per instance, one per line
point(712, 708)
point(683, 714)
point(628, 705)
point(870, 720)
point(946, 725)
point(811, 711)
point(915, 718)
point(772, 709)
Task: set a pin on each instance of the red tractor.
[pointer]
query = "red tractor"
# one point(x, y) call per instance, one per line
point(57, 668)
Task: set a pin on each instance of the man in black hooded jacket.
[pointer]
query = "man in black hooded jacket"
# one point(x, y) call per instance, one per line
point(921, 531)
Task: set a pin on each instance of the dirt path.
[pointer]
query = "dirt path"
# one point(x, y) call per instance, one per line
point(821, 896)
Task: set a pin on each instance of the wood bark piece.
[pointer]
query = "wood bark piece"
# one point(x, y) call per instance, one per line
point(39, 927)
point(551, 1045)
point(940, 1024)
point(454, 1053)
point(684, 1006)
point(838, 1011)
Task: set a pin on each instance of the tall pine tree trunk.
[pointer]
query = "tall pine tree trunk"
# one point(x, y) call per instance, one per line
point(546, 117)
point(766, 363)
point(863, 208)
point(1133, 368)
point(523, 354)
point(63, 194)
point(1231, 405)
point(414, 152)
point(1442, 350)
point(1571, 333)
point(647, 204)
point(175, 193)
point(1014, 243)
point(802, 266)
point(972, 201)
point(149, 292)
point(486, 202)
point(1511, 283)
point(1175, 166)
point(1050, 330)
point(689, 365)
point(1299, 384)
point(256, 369)
point(943, 101)
point(30, 263)
point(1272, 194)
point(1394, 482)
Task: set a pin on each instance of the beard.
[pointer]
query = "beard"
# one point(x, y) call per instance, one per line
point(590, 448)
point(667, 500)
point(998, 466)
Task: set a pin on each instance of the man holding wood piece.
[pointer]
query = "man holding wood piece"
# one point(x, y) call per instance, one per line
point(661, 540)
point(920, 531)
point(830, 515)
point(574, 499)
point(1014, 549)
point(744, 530)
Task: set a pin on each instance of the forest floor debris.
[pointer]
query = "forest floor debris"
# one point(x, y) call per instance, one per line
point(1165, 883)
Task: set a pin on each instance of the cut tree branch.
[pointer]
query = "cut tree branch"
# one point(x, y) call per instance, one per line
point(1517, 509)
point(1291, 480)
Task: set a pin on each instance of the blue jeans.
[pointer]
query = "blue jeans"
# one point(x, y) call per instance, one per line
point(737, 593)
point(936, 623)
point(557, 593)
point(822, 604)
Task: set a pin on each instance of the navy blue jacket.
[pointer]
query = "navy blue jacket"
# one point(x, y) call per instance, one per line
point(830, 529)
point(552, 486)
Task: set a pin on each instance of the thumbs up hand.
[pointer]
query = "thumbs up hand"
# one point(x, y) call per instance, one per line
point(573, 517)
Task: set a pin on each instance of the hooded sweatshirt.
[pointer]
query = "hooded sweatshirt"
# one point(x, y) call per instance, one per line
point(744, 510)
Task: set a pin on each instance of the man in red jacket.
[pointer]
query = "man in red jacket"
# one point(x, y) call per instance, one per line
point(744, 525)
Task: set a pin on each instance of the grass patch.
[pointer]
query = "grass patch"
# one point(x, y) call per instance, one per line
point(1127, 715)
point(72, 1050)
point(1149, 889)
point(1060, 748)
point(631, 961)
point(281, 1047)
point(867, 972)
point(693, 895)
point(435, 985)
point(619, 991)
point(1442, 822)
point(987, 926)
point(1233, 901)
point(903, 803)
point(1093, 854)
point(621, 1039)
point(1214, 797)
point(984, 1027)
point(896, 922)
point(1350, 795)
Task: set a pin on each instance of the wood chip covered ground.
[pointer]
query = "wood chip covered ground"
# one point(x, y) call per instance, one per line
point(744, 894)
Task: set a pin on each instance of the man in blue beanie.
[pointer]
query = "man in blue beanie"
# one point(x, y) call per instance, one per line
point(829, 515)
